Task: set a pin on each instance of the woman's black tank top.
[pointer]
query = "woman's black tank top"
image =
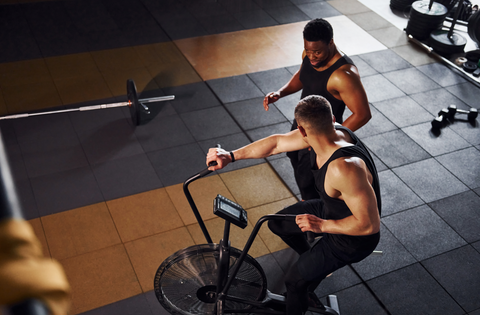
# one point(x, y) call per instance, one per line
point(337, 209)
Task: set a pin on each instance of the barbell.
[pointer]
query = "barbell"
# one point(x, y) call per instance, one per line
point(136, 106)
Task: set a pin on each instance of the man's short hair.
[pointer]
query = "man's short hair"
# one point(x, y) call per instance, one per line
point(318, 30)
point(314, 112)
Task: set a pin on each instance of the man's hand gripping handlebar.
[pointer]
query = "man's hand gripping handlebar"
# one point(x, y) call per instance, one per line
point(220, 156)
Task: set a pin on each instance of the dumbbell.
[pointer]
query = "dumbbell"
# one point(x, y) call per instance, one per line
point(439, 121)
point(471, 114)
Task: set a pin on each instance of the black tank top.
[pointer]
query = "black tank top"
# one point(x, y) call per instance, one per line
point(337, 209)
point(315, 83)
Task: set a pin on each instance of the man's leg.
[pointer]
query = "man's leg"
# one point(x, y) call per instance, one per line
point(302, 168)
point(289, 231)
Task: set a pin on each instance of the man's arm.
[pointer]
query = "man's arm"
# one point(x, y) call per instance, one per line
point(292, 86)
point(349, 180)
point(346, 82)
point(262, 148)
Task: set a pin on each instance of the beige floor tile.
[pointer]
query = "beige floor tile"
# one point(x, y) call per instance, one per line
point(119, 59)
point(144, 214)
point(83, 88)
point(73, 65)
point(173, 74)
point(369, 20)
point(30, 97)
point(24, 72)
point(390, 36)
point(80, 231)
point(255, 186)
point(348, 6)
point(238, 236)
point(203, 192)
point(272, 241)
point(40, 233)
point(147, 254)
point(414, 54)
point(116, 80)
point(164, 53)
point(101, 277)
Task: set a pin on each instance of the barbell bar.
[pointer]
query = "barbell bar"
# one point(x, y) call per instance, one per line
point(135, 105)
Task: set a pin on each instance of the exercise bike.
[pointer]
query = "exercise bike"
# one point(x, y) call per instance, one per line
point(220, 279)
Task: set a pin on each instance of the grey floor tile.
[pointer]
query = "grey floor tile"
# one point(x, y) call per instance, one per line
point(359, 300)
point(270, 80)
point(441, 74)
point(339, 280)
point(430, 180)
point(190, 26)
point(369, 21)
point(435, 100)
point(284, 169)
point(464, 164)
point(476, 245)
point(378, 163)
point(417, 229)
point(262, 132)
point(462, 213)
point(113, 141)
point(403, 111)
point(221, 23)
point(287, 14)
point(378, 124)
point(126, 176)
point(396, 196)
point(137, 304)
point(467, 92)
point(378, 88)
point(254, 19)
point(251, 114)
point(202, 9)
point(42, 158)
point(412, 290)
point(294, 69)
point(97, 119)
point(154, 304)
point(385, 61)
point(363, 67)
point(210, 123)
point(240, 6)
point(394, 256)
point(275, 274)
point(192, 97)
point(320, 9)
point(273, 3)
point(468, 130)
point(393, 38)
point(445, 142)
point(476, 312)
point(230, 143)
point(458, 272)
point(286, 105)
point(175, 165)
point(285, 258)
point(411, 80)
point(233, 89)
point(66, 190)
point(395, 148)
point(163, 132)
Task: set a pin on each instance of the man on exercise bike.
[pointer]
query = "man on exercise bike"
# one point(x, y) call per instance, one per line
point(348, 213)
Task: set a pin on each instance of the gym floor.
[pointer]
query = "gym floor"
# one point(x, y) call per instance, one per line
point(105, 198)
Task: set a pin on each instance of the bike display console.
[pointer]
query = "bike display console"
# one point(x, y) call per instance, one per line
point(230, 211)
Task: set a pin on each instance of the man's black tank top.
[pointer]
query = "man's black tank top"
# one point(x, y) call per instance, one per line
point(337, 209)
point(315, 83)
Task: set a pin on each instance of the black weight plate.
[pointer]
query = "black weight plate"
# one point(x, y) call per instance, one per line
point(470, 66)
point(133, 104)
point(422, 7)
point(424, 26)
point(474, 27)
point(441, 43)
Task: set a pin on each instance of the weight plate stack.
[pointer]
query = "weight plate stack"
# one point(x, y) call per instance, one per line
point(400, 5)
point(423, 21)
point(474, 27)
point(445, 45)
